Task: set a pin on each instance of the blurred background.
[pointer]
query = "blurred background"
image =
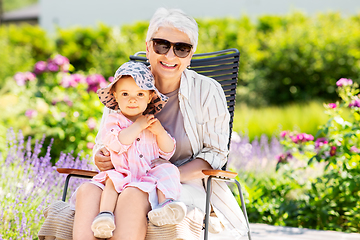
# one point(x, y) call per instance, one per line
point(54, 55)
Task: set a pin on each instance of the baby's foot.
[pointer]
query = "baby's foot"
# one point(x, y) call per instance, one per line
point(103, 225)
point(168, 212)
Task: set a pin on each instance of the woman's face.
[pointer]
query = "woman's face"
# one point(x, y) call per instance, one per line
point(168, 67)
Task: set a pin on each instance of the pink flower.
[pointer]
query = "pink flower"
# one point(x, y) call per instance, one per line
point(30, 76)
point(344, 82)
point(52, 66)
point(62, 62)
point(67, 81)
point(95, 81)
point(283, 133)
point(78, 78)
point(21, 78)
point(31, 113)
point(332, 105)
point(354, 149)
point(302, 137)
point(320, 142)
point(111, 79)
point(40, 67)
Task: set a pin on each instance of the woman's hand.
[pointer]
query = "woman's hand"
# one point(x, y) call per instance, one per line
point(102, 159)
point(158, 161)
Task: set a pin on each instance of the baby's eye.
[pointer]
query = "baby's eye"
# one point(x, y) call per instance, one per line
point(124, 94)
point(140, 94)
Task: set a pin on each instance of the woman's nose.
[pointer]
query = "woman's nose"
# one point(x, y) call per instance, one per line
point(170, 53)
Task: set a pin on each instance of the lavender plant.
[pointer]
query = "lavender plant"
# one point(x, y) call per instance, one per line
point(28, 183)
point(258, 155)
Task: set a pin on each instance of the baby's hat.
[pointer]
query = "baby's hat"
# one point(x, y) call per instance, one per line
point(143, 78)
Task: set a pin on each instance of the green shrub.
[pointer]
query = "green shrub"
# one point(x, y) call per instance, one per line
point(22, 46)
point(55, 103)
point(299, 60)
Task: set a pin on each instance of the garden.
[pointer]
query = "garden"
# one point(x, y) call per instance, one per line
point(295, 144)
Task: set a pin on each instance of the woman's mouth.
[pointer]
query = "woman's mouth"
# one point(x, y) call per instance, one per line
point(168, 65)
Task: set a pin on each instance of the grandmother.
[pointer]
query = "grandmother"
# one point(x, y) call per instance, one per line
point(196, 115)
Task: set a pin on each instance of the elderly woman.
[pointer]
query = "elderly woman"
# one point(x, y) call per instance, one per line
point(196, 115)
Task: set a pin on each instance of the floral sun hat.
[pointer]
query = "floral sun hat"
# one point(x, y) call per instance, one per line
point(143, 78)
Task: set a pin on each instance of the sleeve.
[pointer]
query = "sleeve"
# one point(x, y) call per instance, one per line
point(112, 126)
point(166, 155)
point(98, 140)
point(215, 125)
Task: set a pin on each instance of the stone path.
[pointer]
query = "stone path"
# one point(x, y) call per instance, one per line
point(268, 232)
point(263, 231)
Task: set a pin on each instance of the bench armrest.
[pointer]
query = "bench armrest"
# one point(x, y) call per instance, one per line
point(220, 173)
point(77, 172)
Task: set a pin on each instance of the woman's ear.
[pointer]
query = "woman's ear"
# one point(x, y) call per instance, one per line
point(147, 50)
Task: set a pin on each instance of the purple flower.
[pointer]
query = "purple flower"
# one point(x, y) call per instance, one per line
point(320, 142)
point(342, 82)
point(40, 67)
point(95, 81)
point(52, 66)
point(355, 103)
point(332, 105)
point(62, 62)
point(31, 113)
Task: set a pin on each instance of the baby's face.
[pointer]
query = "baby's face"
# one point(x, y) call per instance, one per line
point(131, 98)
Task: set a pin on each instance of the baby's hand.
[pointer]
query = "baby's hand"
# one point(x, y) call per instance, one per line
point(156, 128)
point(158, 161)
point(145, 121)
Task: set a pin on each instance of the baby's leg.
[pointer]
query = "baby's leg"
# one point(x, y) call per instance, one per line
point(161, 196)
point(108, 197)
point(169, 211)
point(104, 223)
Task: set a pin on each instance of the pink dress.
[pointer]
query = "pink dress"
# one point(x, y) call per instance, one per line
point(132, 162)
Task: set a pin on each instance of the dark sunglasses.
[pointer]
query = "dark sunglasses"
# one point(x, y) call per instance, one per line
point(162, 46)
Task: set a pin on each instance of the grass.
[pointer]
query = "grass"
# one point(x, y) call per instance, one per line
point(270, 121)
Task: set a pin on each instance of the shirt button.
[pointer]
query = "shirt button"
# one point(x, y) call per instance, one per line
point(138, 139)
point(141, 155)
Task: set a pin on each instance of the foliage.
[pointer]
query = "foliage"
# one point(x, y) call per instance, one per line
point(29, 183)
point(289, 58)
point(21, 47)
point(317, 183)
point(10, 5)
point(54, 102)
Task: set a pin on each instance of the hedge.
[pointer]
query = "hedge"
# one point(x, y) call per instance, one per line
point(289, 58)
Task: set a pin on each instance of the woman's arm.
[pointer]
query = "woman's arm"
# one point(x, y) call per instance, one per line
point(193, 170)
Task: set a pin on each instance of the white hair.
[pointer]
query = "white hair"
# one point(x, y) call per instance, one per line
point(174, 18)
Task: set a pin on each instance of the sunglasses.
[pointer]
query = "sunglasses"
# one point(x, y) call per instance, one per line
point(162, 46)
